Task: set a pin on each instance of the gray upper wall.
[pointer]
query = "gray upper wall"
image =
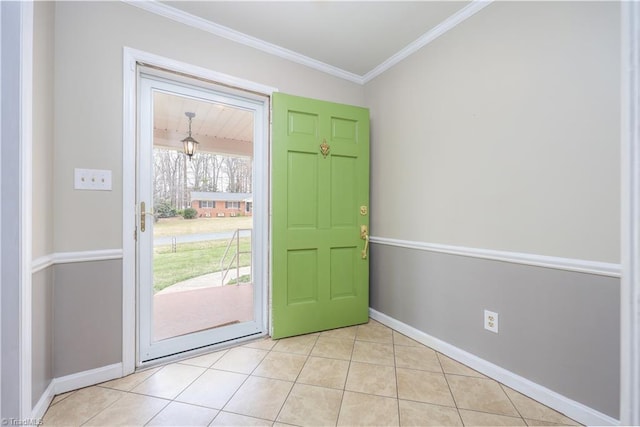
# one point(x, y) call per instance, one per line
point(504, 134)
point(89, 37)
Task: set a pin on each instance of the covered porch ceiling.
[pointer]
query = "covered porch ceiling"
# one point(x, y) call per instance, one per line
point(219, 128)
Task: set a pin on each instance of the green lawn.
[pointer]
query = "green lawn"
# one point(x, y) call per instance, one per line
point(192, 260)
point(178, 226)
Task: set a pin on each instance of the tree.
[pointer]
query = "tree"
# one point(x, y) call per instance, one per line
point(175, 177)
point(198, 168)
point(168, 176)
point(238, 171)
point(214, 169)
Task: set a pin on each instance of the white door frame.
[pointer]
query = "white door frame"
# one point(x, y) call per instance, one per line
point(132, 57)
point(149, 83)
point(630, 211)
point(16, 125)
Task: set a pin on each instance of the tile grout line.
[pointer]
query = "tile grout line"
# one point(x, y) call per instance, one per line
point(501, 415)
point(512, 403)
point(395, 371)
point(374, 364)
point(169, 400)
point(107, 407)
point(453, 397)
point(240, 386)
point(313, 344)
point(502, 386)
point(207, 368)
point(344, 386)
point(103, 409)
point(346, 377)
point(295, 381)
point(484, 411)
point(68, 394)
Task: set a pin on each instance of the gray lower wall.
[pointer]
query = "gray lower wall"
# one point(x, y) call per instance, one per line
point(87, 325)
point(42, 333)
point(559, 329)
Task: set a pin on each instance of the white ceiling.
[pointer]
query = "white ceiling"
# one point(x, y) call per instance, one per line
point(350, 39)
point(352, 36)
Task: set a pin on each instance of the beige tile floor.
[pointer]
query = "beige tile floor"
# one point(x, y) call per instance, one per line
point(361, 375)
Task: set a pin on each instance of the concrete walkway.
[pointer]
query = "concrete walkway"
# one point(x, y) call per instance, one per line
point(205, 281)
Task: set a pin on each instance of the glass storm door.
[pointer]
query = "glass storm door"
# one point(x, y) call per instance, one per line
point(200, 250)
point(320, 198)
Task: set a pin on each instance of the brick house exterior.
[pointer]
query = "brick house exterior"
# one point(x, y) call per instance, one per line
point(215, 204)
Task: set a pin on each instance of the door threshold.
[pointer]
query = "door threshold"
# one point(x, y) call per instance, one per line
point(173, 358)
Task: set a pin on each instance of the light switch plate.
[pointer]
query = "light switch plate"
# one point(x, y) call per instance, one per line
point(92, 179)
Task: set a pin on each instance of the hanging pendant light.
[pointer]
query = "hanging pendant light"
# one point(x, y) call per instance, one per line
point(189, 143)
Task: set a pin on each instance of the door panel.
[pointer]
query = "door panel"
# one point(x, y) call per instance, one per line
point(302, 187)
point(344, 265)
point(301, 123)
point(302, 272)
point(344, 210)
point(320, 278)
point(196, 306)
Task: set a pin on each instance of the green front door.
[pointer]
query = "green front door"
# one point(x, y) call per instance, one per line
point(320, 218)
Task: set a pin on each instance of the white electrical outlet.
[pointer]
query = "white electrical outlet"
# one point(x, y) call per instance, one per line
point(92, 179)
point(491, 321)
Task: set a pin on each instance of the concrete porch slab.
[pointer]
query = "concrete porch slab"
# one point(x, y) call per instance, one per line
point(179, 313)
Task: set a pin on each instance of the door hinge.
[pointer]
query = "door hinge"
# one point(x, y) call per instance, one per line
point(135, 233)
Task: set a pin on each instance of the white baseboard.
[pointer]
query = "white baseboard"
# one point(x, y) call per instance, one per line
point(74, 382)
point(87, 378)
point(575, 410)
point(43, 403)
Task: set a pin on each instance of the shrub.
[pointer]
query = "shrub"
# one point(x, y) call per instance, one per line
point(190, 213)
point(165, 210)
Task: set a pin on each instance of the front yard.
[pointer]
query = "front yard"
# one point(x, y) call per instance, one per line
point(167, 227)
point(194, 259)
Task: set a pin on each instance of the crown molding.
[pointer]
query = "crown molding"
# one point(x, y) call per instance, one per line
point(451, 22)
point(185, 18)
